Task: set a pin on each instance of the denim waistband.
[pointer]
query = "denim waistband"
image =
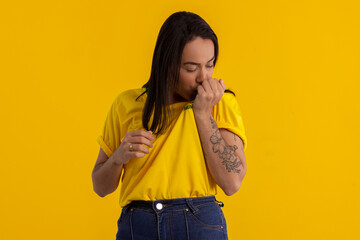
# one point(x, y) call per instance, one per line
point(172, 204)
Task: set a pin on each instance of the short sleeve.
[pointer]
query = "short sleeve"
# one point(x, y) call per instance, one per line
point(109, 140)
point(227, 115)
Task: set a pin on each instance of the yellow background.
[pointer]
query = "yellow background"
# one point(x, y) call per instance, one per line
point(294, 65)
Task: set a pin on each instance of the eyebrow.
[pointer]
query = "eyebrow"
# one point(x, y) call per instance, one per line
point(194, 63)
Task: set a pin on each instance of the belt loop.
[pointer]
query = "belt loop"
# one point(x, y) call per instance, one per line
point(126, 208)
point(221, 204)
point(191, 206)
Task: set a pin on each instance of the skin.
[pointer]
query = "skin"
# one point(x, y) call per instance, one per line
point(223, 149)
point(107, 171)
point(197, 65)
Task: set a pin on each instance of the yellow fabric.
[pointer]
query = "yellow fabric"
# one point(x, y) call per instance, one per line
point(175, 166)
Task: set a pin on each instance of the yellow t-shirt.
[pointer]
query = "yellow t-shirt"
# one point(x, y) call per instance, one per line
point(175, 166)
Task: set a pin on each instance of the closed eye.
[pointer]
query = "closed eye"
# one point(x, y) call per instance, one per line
point(193, 70)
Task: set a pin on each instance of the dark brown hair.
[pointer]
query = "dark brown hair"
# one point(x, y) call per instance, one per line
point(178, 29)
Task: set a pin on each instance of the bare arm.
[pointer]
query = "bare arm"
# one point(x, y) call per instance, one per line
point(224, 154)
point(107, 171)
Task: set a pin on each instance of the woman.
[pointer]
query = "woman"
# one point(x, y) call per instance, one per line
point(173, 141)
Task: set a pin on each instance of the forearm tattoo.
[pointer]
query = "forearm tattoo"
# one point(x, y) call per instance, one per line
point(226, 152)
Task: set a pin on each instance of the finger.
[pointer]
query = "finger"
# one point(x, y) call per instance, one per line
point(139, 147)
point(200, 89)
point(135, 155)
point(206, 86)
point(216, 86)
point(222, 84)
point(147, 134)
point(140, 140)
point(217, 90)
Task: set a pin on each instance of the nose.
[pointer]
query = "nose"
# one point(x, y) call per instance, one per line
point(202, 76)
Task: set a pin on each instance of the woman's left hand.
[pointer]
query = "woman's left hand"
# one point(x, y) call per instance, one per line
point(209, 94)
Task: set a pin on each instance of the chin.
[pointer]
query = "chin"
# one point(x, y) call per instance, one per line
point(193, 96)
point(189, 99)
point(186, 97)
point(179, 98)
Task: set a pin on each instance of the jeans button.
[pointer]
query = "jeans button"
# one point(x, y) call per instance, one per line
point(159, 206)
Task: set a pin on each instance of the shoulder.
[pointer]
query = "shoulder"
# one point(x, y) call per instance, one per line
point(130, 94)
point(227, 106)
point(229, 96)
point(129, 97)
point(228, 99)
point(128, 103)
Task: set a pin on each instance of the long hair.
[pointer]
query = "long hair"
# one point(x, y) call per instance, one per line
point(178, 29)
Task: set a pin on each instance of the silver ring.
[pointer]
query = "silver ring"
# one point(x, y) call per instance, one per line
point(130, 147)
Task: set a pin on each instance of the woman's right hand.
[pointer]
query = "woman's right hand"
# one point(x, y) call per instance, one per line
point(132, 145)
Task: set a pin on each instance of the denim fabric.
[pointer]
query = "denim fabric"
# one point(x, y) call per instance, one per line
point(178, 219)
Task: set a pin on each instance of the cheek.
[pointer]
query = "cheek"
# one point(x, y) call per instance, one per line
point(211, 72)
point(186, 80)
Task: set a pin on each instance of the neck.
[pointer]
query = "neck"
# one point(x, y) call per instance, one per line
point(176, 98)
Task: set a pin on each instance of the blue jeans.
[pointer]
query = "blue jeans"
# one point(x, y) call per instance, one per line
point(182, 218)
